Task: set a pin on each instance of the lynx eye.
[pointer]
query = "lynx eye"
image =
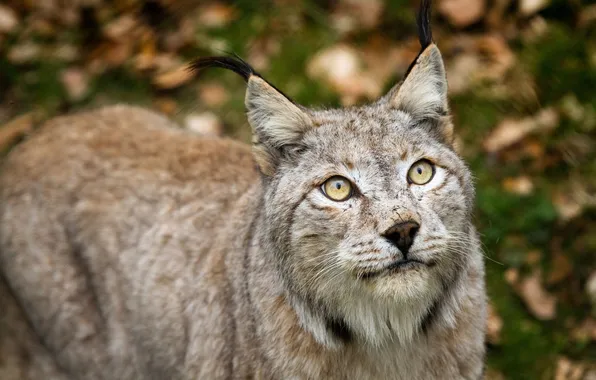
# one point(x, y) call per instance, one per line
point(421, 172)
point(337, 188)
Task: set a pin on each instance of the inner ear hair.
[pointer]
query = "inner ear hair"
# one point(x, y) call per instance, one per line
point(277, 121)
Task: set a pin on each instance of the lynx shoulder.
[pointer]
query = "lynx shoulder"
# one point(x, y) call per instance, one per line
point(340, 246)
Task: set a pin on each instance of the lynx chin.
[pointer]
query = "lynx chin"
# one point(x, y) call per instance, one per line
point(339, 247)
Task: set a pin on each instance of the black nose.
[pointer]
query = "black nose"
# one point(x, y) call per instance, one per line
point(402, 235)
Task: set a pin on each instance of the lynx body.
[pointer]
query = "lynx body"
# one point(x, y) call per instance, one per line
point(131, 249)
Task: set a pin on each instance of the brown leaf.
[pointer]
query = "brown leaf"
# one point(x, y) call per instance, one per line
point(216, 15)
point(561, 268)
point(15, 128)
point(66, 52)
point(511, 131)
point(24, 53)
point(459, 69)
point(261, 50)
point(529, 7)
point(8, 19)
point(568, 370)
point(586, 331)
point(481, 59)
point(494, 325)
point(173, 78)
point(76, 83)
point(533, 257)
point(351, 15)
point(591, 291)
point(521, 185)
point(341, 67)
point(461, 13)
point(587, 15)
point(511, 276)
point(213, 94)
point(206, 123)
point(567, 206)
point(493, 374)
point(145, 60)
point(119, 28)
point(540, 303)
point(165, 105)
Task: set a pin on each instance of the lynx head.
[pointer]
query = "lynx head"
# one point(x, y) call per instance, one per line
point(366, 209)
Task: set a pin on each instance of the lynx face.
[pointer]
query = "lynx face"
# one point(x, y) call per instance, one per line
point(366, 209)
point(386, 240)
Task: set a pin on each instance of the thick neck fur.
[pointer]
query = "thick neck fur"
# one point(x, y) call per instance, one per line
point(360, 336)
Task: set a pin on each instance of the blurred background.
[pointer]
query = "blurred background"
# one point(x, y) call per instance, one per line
point(522, 77)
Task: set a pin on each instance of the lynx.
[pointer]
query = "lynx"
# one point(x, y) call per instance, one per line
point(339, 247)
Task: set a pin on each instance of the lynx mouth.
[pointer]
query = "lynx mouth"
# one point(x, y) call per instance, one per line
point(395, 267)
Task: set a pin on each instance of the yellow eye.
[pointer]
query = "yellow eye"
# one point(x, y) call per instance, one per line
point(421, 172)
point(337, 188)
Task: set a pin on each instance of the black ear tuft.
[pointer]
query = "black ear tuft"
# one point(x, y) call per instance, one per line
point(425, 34)
point(231, 62)
point(423, 20)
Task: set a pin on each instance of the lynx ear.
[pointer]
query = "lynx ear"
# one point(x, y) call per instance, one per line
point(277, 121)
point(423, 92)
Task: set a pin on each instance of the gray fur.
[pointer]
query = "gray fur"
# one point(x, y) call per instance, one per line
point(136, 250)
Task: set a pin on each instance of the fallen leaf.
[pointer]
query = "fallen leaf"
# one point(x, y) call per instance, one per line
point(511, 131)
point(462, 13)
point(561, 268)
point(536, 29)
point(499, 56)
point(15, 128)
point(173, 78)
point(261, 50)
point(494, 15)
point(590, 374)
point(165, 105)
point(494, 325)
point(587, 15)
point(591, 291)
point(8, 19)
point(119, 28)
point(351, 15)
point(216, 15)
point(66, 52)
point(24, 53)
point(459, 71)
point(493, 374)
point(337, 63)
point(341, 67)
point(540, 303)
point(521, 185)
point(479, 59)
point(533, 257)
point(511, 276)
point(206, 123)
point(529, 7)
point(145, 59)
point(568, 370)
point(586, 331)
point(213, 94)
point(75, 82)
point(183, 36)
point(567, 206)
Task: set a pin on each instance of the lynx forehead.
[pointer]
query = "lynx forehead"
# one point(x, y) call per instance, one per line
point(340, 247)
